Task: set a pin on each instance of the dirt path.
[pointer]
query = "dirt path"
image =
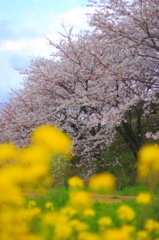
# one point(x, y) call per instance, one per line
point(110, 198)
point(102, 198)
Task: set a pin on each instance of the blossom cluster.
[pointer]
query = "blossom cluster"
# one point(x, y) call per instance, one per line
point(28, 168)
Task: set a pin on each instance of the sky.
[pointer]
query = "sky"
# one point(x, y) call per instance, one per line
point(24, 26)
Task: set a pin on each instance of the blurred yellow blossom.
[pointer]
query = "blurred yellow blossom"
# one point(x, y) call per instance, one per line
point(123, 233)
point(152, 225)
point(104, 182)
point(89, 212)
point(8, 151)
point(62, 227)
point(142, 235)
point(105, 222)
point(75, 182)
point(31, 204)
point(33, 155)
point(68, 211)
point(51, 137)
point(144, 198)
point(125, 213)
point(80, 200)
point(49, 218)
point(10, 193)
point(148, 159)
point(88, 236)
point(143, 169)
point(78, 225)
point(49, 205)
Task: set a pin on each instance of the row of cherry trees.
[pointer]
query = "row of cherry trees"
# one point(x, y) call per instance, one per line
point(95, 84)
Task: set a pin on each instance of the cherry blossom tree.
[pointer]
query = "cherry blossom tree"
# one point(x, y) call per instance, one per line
point(134, 25)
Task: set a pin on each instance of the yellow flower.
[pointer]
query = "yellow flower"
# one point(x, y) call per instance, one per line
point(9, 192)
point(33, 212)
point(80, 200)
point(144, 198)
point(31, 204)
point(49, 218)
point(148, 154)
point(88, 236)
point(62, 227)
point(128, 231)
point(68, 211)
point(33, 155)
point(148, 159)
point(125, 213)
point(89, 212)
point(142, 235)
point(51, 137)
point(78, 225)
point(143, 169)
point(76, 182)
point(152, 225)
point(104, 182)
point(123, 233)
point(104, 222)
point(8, 151)
point(49, 205)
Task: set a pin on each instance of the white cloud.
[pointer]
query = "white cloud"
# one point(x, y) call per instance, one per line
point(32, 46)
point(25, 47)
point(75, 17)
point(9, 77)
point(38, 45)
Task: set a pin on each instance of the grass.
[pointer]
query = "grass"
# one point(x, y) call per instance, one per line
point(132, 191)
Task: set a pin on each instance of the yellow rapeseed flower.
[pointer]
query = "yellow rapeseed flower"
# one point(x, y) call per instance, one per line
point(62, 227)
point(125, 213)
point(152, 225)
point(148, 154)
point(51, 137)
point(89, 212)
point(49, 205)
point(105, 222)
point(144, 198)
point(8, 151)
point(123, 233)
point(78, 225)
point(142, 235)
point(32, 204)
point(33, 155)
point(104, 182)
point(88, 236)
point(75, 182)
point(49, 218)
point(148, 159)
point(80, 200)
point(9, 190)
point(68, 211)
point(143, 169)
point(11, 194)
point(32, 213)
